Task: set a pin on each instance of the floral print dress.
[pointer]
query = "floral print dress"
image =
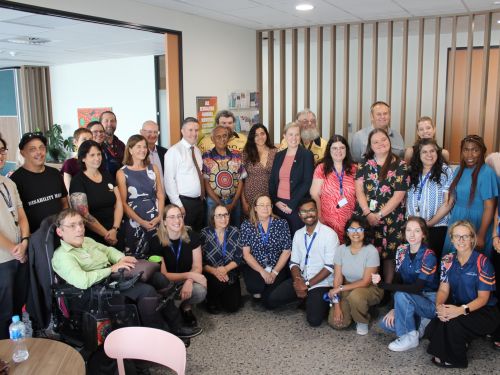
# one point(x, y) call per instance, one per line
point(388, 235)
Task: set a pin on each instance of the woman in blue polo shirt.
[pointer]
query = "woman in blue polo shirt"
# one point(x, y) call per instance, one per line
point(467, 280)
point(416, 267)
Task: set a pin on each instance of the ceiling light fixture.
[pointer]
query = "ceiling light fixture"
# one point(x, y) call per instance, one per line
point(304, 7)
point(13, 53)
point(29, 40)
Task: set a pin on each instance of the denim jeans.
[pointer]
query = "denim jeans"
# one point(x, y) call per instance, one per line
point(235, 218)
point(408, 311)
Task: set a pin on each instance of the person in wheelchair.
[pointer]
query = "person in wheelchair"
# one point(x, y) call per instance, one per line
point(83, 263)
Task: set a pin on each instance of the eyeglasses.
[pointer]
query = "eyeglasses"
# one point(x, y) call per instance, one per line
point(3, 151)
point(310, 211)
point(173, 217)
point(73, 226)
point(355, 230)
point(464, 237)
point(264, 205)
point(221, 216)
point(306, 121)
point(150, 132)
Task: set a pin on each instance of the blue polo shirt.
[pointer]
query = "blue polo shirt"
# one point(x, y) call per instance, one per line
point(423, 266)
point(465, 281)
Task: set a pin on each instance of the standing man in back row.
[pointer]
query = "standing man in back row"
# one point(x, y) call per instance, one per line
point(182, 175)
point(380, 119)
point(309, 135)
point(236, 141)
point(41, 188)
point(112, 146)
point(151, 131)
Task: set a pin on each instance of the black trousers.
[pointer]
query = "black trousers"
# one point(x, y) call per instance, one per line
point(224, 295)
point(293, 219)
point(316, 308)
point(194, 212)
point(437, 236)
point(13, 290)
point(448, 339)
point(255, 283)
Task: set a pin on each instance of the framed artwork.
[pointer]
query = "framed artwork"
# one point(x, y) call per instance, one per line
point(85, 115)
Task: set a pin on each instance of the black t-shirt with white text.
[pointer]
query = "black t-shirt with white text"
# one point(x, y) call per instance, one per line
point(40, 193)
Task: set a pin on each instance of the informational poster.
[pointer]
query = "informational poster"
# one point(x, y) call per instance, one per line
point(206, 108)
point(85, 115)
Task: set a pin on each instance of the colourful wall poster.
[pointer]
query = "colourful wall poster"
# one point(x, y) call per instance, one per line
point(85, 115)
point(206, 108)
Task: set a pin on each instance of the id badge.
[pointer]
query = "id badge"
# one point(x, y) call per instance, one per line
point(341, 203)
point(268, 269)
point(373, 204)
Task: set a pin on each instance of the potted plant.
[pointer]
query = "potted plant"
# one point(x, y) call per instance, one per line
point(56, 144)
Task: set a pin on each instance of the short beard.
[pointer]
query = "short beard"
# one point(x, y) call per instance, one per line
point(309, 135)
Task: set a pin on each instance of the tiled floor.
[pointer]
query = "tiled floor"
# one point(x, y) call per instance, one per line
point(254, 341)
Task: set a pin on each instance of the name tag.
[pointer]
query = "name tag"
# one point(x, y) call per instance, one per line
point(373, 204)
point(341, 203)
point(268, 269)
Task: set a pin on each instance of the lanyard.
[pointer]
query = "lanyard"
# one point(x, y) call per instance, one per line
point(422, 184)
point(223, 246)
point(341, 179)
point(8, 201)
point(308, 247)
point(177, 254)
point(264, 236)
point(375, 172)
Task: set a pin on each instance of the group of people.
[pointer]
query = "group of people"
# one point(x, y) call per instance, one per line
point(336, 227)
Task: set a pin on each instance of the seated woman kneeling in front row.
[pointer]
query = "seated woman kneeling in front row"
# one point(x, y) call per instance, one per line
point(355, 262)
point(415, 285)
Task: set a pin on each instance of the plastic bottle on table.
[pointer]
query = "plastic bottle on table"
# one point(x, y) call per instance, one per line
point(17, 333)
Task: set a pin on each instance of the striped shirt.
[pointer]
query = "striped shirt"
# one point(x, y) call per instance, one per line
point(431, 197)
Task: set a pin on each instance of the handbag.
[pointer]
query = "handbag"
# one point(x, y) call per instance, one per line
point(146, 267)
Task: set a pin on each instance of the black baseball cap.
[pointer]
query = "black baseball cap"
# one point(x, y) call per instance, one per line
point(27, 137)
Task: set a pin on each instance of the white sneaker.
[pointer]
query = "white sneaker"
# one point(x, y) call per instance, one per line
point(405, 342)
point(422, 326)
point(361, 328)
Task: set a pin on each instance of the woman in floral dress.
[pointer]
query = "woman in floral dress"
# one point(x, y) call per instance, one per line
point(381, 184)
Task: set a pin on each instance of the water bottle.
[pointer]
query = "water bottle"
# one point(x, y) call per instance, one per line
point(17, 333)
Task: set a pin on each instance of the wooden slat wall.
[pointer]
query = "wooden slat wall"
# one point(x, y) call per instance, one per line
point(173, 74)
point(441, 107)
point(319, 84)
point(333, 78)
point(270, 83)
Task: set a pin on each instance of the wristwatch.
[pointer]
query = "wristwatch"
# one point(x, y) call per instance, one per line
point(466, 309)
point(308, 283)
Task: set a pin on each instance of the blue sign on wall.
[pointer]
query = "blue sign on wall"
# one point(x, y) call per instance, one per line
point(7, 93)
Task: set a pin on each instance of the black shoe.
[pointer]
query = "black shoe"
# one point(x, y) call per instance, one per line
point(213, 309)
point(184, 332)
point(189, 318)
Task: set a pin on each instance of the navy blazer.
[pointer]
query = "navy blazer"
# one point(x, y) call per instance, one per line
point(301, 176)
point(161, 154)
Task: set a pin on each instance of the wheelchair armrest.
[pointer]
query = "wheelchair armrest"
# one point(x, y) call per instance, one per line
point(122, 283)
point(67, 290)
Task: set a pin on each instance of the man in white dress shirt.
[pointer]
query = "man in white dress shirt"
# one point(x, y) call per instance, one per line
point(311, 266)
point(182, 176)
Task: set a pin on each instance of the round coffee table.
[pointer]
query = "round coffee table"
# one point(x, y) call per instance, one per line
point(46, 357)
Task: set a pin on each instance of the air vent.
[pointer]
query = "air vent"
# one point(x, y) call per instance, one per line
point(29, 40)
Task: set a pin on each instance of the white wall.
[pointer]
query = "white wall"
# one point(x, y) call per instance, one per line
point(217, 58)
point(127, 85)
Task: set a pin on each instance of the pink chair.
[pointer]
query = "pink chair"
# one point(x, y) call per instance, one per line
point(149, 344)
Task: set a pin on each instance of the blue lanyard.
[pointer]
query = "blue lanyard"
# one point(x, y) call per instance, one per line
point(422, 184)
point(341, 179)
point(308, 247)
point(375, 172)
point(177, 254)
point(264, 236)
point(223, 246)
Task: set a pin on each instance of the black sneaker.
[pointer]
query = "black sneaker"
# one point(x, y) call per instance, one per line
point(189, 318)
point(184, 332)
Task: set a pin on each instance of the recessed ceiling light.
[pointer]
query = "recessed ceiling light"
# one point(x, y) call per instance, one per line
point(304, 7)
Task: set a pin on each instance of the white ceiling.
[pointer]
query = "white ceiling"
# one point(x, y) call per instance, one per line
point(76, 41)
point(273, 14)
point(70, 41)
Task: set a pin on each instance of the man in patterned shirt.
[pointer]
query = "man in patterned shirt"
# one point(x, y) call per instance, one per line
point(223, 172)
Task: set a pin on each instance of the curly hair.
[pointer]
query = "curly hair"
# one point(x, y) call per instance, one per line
point(363, 223)
point(416, 166)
